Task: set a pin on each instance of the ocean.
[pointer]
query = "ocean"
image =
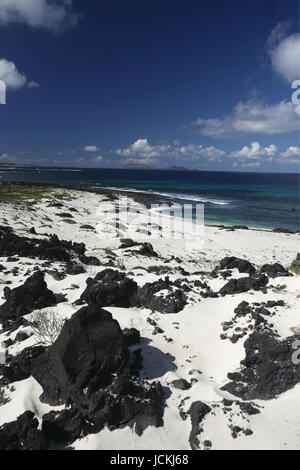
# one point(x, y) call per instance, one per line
point(257, 200)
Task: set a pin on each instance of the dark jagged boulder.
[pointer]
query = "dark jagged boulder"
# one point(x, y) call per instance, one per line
point(19, 367)
point(147, 250)
point(52, 248)
point(132, 402)
point(22, 434)
point(30, 296)
point(268, 369)
point(197, 412)
point(89, 260)
point(148, 296)
point(274, 303)
point(243, 309)
point(127, 402)
point(128, 243)
point(181, 384)
point(14, 324)
point(65, 215)
point(64, 426)
point(132, 336)
point(242, 265)
point(240, 227)
point(73, 269)
point(109, 288)
point(55, 204)
point(275, 270)
point(88, 368)
point(58, 275)
point(22, 336)
point(86, 354)
point(244, 284)
point(282, 230)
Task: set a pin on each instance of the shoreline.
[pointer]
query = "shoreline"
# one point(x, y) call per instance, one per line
point(141, 198)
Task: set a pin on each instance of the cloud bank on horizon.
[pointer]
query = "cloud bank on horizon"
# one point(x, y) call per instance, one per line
point(142, 154)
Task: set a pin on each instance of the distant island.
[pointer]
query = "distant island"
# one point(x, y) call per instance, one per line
point(141, 166)
point(5, 164)
point(178, 168)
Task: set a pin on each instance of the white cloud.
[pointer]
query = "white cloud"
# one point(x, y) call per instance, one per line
point(143, 149)
point(251, 165)
point(291, 152)
point(52, 15)
point(91, 148)
point(290, 156)
point(143, 153)
point(284, 52)
point(10, 75)
point(194, 152)
point(252, 117)
point(99, 159)
point(33, 84)
point(254, 151)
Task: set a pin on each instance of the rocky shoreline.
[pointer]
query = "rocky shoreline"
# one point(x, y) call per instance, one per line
point(146, 199)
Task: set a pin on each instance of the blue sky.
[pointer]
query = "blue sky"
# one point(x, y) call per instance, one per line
point(205, 85)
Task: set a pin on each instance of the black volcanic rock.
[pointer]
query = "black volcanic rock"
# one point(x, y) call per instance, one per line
point(244, 284)
point(19, 367)
point(89, 260)
point(243, 309)
point(52, 249)
point(109, 288)
point(22, 434)
point(242, 265)
point(64, 426)
point(181, 384)
point(132, 402)
point(30, 296)
point(88, 351)
point(127, 402)
point(14, 324)
point(73, 269)
point(65, 215)
point(282, 230)
point(275, 270)
point(128, 243)
point(197, 412)
point(148, 296)
point(88, 368)
point(268, 369)
point(132, 336)
point(22, 336)
point(147, 250)
point(240, 227)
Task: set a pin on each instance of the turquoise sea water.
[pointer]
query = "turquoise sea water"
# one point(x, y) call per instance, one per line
point(258, 200)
